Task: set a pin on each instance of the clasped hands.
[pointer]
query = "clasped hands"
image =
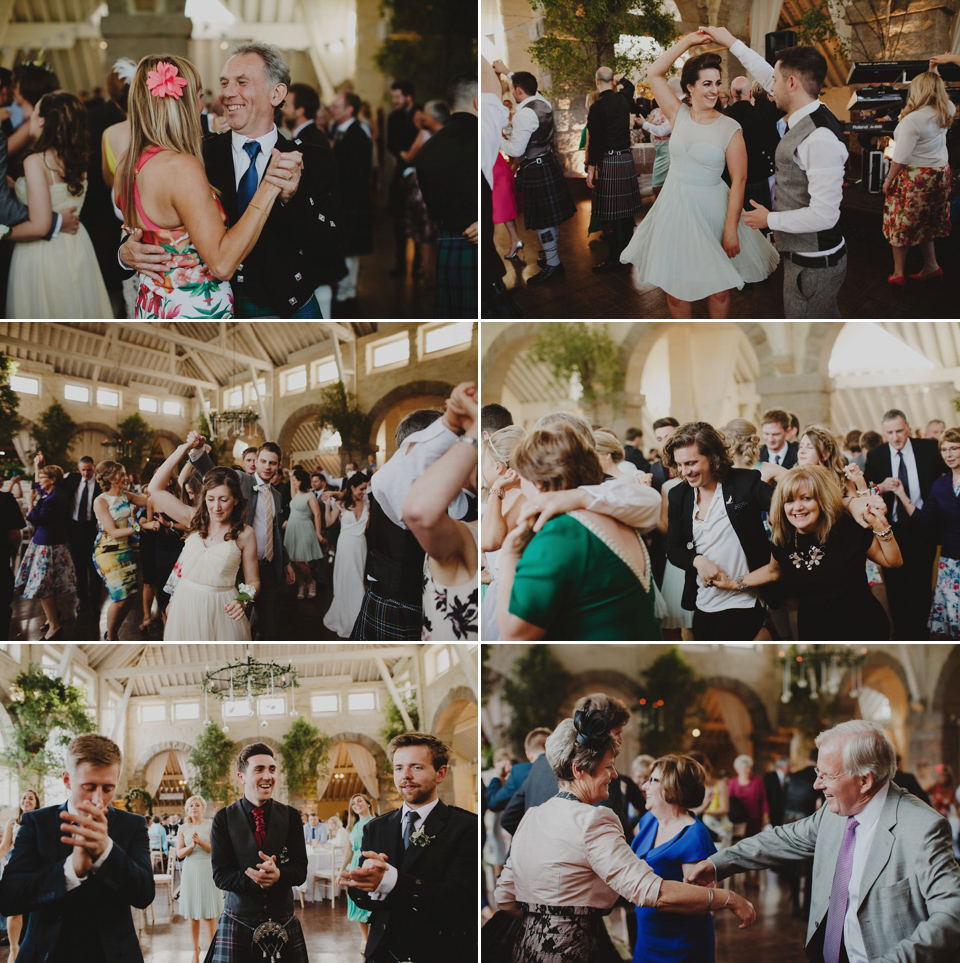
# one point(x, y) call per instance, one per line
point(711, 574)
point(266, 873)
point(462, 408)
point(367, 876)
point(87, 832)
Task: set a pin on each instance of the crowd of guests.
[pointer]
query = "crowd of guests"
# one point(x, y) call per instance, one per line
point(806, 536)
point(569, 837)
point(189, 184)
point(764, 184)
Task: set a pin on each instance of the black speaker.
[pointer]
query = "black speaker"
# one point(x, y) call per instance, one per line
point(874, 169)
point(777, 40)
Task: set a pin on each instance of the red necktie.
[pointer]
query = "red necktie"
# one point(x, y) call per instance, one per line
point(260, 829)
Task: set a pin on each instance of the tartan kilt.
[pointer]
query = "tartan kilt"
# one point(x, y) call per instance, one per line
point(546, 197)
point(617, 193)
point(385, 619)
point(457, 277)
point(232, 944)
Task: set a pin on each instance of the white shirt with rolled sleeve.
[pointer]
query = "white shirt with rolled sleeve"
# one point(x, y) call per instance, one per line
point(821, 156)
point(525, 122)
point(390, 875)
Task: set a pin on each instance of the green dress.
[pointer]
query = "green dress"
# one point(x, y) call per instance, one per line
point(574, 585)
point(356, 840)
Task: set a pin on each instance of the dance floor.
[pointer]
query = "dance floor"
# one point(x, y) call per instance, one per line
point(302, 620)
point(617, 296)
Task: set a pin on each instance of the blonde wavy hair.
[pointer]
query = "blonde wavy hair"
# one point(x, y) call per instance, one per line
point(169, 122)
point(742, 439)
point(501, 443)
point(608, 444)
point(928, 90)
point(819, 483)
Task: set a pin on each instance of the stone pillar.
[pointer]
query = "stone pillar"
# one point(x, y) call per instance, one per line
point(132, 33)
point(807, 395)
point(370, 84)
point(926, 740)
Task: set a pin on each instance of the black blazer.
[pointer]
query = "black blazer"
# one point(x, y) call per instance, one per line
point(11, 210)
point(775, 797)
point(96, 911)
point(789, 460)
point(745, 495)
point(311, 134)
point(300, 246)
point(930, 467)
point(353, 150)
point(70, 485)
point(430, 916)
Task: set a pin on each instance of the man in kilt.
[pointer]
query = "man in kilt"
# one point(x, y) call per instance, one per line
point(258, 855)
point(610, 169)
point(546, 198)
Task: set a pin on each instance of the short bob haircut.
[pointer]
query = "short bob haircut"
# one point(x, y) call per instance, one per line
point(822, 485)
point(743, 760)
point(557, 458)
point(682, 780)
point(950, 437)
point(866, 749)
point(565, 754)
point(708, 441)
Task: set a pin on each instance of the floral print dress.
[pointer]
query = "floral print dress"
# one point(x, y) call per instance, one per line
point(450, 612)
point(189, 289)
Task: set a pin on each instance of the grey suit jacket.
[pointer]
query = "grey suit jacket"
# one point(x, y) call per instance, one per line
point(204, 463)
point(11, 210)
point(909, 908)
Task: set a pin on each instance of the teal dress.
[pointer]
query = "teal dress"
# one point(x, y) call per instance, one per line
point(574, 585)
point(356, 843)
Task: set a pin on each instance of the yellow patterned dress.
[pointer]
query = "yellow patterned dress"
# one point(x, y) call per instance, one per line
point(113, 557)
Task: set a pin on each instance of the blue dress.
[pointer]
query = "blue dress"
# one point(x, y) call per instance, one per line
point(667, 937)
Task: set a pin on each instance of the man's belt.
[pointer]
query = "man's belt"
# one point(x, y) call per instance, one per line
point(816, 261)
point(529, 159)
point(622, 150)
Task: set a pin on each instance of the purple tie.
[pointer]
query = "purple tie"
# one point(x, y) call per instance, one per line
point(840, 895)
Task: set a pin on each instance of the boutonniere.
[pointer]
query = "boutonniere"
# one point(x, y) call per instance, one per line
point(420, 838)
point(284, 857)
point(730, 500)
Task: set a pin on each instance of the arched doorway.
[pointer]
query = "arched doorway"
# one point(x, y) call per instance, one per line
point(356, 764)
point(164, 771)
point(390, 410)
point(733, 721)
point(946, 705)
point(457, 725)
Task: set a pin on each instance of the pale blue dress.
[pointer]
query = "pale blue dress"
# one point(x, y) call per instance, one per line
point(356, 842)
point(300, 535)
point(199, 897)
point(678, 245)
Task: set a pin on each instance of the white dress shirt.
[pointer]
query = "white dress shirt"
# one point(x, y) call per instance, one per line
point(69, 873)
point(241, 160)
point(493, 118)
point(260, 517)
point(821, 156)
point(866, 829)
point(716, 540)
point(525, 122)
point(776, 457)
point(913, 476)
point(390, 876)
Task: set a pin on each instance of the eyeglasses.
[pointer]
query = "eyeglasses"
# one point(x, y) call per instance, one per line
point(949, 451)
point(653, 780)
point(828, 776)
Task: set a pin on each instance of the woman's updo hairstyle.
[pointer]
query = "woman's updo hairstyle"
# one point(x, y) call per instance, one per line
point(691, 71)
point(106, 472)
point(565, 750)
point(742, 439)
point(608, 444)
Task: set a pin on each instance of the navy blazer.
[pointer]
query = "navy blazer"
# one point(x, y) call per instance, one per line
point(940, 515)
point(430, 916)
point(499, 794)
point(746, 495)
point(789, 459)
point(33, 882)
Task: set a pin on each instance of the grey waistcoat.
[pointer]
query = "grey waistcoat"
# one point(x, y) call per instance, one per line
point(792, 189)
point(541, 140)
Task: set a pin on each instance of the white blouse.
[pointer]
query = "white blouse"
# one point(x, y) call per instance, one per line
point(920, 140)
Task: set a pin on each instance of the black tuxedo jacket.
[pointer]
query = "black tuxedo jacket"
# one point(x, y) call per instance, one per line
point(634, 455)
point(92, 921)
point(311, 134)
point(745, 496)
point(300, 246)
point(430, 916)
point(930, 467)
point(789, 460)
point(776, 795)
point(353, 150)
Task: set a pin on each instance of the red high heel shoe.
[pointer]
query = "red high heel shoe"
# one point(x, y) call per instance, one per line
point(899, 282)
point(935, 276)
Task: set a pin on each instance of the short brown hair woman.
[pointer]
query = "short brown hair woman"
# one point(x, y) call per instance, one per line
point(583, 575)
point(569, 861)
point(818, 553)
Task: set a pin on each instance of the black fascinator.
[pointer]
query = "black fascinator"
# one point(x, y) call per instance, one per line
point(592, 727)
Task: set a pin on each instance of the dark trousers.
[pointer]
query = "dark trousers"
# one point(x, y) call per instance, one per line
point(729, 625)
point(6, 600)
point(81, 537)
point(168, 551)
point(264, 621)
point(910, 587)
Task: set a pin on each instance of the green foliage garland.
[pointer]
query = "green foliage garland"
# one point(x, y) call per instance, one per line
point(46, 714)
point(340, 412)
point(139, 794)
point(305, 752)
point(9, 400)
point(212, 756)
point(535, 691)
point(136, 436)
point(53, 433)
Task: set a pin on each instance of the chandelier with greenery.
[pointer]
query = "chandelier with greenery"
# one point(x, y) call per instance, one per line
point(248, 679)
point(818, 669)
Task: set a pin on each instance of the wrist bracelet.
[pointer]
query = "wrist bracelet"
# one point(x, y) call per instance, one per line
point(499, 492)
point(729, 891)
point(740, 586)
point(258, 208)
point(709, 899)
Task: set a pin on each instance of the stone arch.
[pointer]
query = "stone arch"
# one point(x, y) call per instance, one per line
point(155, 750)
point(170, 435)
point(944, 717)
point(460, 787)
point(380, 408)
point(949, 671)
point(388, 793)
point(96, 426)
point(756, 333)
point(758, 711)
point(460, 693)
point(293, 422)
point(496, 358)
point(820, 341)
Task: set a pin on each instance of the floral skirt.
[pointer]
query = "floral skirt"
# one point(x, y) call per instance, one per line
point(918, 208)
point(945, 611)
point(563, 934)
point(46, 570)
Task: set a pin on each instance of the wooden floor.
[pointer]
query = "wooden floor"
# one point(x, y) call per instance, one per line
point(329, 935)
point(302, 620)
point(865, 294)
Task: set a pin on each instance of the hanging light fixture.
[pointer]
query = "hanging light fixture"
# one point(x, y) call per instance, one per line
point(819, 669)
point(252, 677)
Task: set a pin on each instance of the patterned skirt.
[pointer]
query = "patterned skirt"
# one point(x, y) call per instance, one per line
point(945, 611)
point(46, 570)
point(118, 569)
point(546, 197)
point(563, 934)
point(618, 191)
point(918, 207)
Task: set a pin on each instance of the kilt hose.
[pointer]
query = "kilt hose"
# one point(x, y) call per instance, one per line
point(617, 194)
point(458, 276)
point(383, 619)
point(546, 197)
point(232, 944)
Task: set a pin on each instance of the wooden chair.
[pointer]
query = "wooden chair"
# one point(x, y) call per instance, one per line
point(329, 872)
point(166, 880)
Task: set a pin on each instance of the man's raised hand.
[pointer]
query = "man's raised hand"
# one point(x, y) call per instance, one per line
point(719, 35)
point(366, 877)
point(703, 873)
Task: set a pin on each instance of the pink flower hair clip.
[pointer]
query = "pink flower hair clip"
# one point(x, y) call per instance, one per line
point(165, 81)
